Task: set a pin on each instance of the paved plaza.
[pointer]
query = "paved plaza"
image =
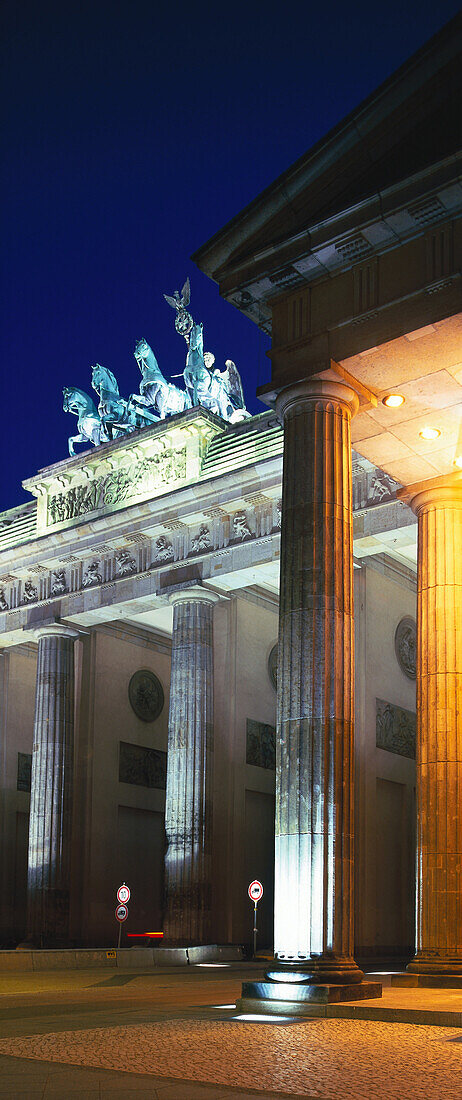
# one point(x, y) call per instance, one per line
point(176, 1035)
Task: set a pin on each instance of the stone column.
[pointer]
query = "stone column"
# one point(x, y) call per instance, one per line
point(438, 507)
point(48, 874)
point(314, 756)
point(188, 809)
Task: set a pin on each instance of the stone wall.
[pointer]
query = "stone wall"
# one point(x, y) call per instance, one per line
point(385, 776)
point(124, 821)
point(245, 632)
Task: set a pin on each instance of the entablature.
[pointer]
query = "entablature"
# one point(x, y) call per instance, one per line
point(223, 531)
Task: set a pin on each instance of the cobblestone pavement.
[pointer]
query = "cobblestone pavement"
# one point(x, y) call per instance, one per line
point(169, 1037)
point(319, 1058)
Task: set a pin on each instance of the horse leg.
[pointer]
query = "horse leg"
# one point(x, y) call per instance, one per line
point(75, 439)
point(108, 427)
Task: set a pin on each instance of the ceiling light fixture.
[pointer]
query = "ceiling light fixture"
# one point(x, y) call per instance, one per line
point(429, 433)
point(393, 400)
point(458, 461)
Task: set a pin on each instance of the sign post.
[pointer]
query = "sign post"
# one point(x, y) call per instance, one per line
point(123, 897)
point(255, 893)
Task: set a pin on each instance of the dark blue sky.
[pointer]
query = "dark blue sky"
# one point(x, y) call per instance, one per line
point(133, 131)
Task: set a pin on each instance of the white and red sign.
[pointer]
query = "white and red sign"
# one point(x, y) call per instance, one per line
point(123, 894)
point(255, 891)
point(121, 913)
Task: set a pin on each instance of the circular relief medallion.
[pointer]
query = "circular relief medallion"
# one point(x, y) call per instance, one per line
point(406, 646)
point(146, 695)
point(273, 667)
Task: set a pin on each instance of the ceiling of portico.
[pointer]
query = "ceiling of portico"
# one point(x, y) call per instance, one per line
point(424, 366)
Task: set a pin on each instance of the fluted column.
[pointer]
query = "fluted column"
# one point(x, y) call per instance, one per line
point(188, 809)
point(314, 757)
point(48, 874)
point(438, 506)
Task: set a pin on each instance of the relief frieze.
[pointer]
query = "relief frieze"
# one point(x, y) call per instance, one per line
point(241, 529)
point(202, 541)
point(163, 549)
point(58, 585)
point(23, 780)
point(30, 593)
point(395, 729)
point(371, 486)
point(139, 479)
point(142, 766)
point(125, 564)
point(260, 745)
point(92, 575)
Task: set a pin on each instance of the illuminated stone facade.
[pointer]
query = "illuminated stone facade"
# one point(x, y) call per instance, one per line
point(114, 576)
point(353, 265)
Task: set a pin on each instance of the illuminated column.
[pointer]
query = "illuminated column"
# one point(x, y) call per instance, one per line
point(48, 874)
point(314, 761)
point(438, 506)
point(188, 809)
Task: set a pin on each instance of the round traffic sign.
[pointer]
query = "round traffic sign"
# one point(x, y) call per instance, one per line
point(255, 890)
point(121, 912)
point(123, 894)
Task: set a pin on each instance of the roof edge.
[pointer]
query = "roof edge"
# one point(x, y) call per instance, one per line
point(443, 45)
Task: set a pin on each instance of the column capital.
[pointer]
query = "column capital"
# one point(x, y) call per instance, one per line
point(55, 630)
point(195, 594)
point(317, 389)
point(446, 489)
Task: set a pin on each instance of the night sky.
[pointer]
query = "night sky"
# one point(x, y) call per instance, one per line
point(133, 132)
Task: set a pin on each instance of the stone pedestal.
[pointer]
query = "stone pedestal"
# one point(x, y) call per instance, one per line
point(438, 506)
point(313, 920)
point(188, 809)
point(48, 873)
point(289, 999)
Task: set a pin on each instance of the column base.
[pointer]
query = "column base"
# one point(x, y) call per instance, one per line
point(432, 973)
point(318, 970)
point(289, 999)
point(290, 988)
point(431, 964)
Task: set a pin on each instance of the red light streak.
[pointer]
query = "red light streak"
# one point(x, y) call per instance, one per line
point(141, 935)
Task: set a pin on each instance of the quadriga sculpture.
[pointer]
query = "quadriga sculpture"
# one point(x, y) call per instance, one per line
point(155, 391)
point(219, 391)
point(89, 424)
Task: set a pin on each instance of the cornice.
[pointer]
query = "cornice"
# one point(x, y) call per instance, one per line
point(356, 136)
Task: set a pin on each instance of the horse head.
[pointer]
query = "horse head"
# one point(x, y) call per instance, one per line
point(147, 362)
point(196, 338)
point(103, 379)
point(144, 356)
point(77, 401)
point(141, 352)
